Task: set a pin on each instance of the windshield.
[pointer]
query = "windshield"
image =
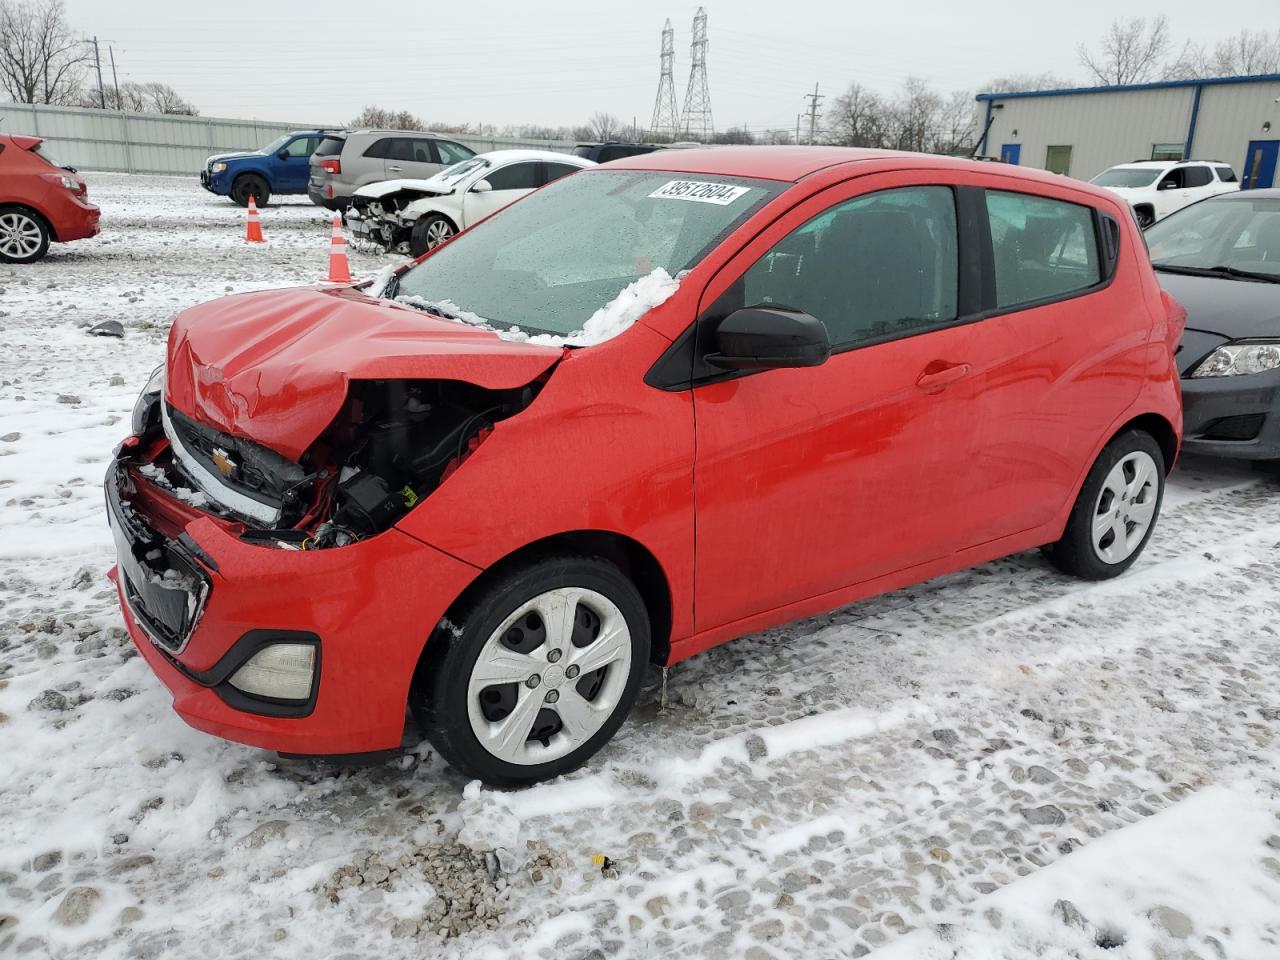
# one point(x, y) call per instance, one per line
point(547, 263)
point(1126, 177)
point(450, 176)
point(277, 144)
point(1239, 233)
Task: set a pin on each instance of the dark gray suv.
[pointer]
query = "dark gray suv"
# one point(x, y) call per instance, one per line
point(352, 158)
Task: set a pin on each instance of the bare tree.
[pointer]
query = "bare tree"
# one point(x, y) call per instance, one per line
point(955, 130)
point(1133, 51)
point(1247, 52)
point(738, 135)
point(1026, 81)
point(857, 118)
point(915, 114)
point(139, 98)
point(41, 61)
point(604, 126)
point(381, 118)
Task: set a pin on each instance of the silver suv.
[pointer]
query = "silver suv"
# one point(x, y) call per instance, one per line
point(351, 158)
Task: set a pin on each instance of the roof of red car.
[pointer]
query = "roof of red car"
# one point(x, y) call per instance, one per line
point(765, 163)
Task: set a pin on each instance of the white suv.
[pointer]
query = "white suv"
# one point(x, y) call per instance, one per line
point(1156, 188)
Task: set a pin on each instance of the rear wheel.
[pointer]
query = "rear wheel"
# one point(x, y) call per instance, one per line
point(1116, 510)
point(537, 673)
point(250, 185)
point(24, 236)
point(429, 232)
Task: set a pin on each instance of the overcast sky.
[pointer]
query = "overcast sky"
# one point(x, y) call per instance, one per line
point(555, 61)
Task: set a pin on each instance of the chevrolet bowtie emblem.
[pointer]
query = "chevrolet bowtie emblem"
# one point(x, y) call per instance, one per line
point(223, 462)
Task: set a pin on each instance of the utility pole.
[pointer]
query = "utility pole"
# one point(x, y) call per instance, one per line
point(115, 81)
point(798, 116)
point(97, 59)
point(813, 99)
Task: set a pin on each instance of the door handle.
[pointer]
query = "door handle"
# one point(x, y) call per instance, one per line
point(393, 169)
point(938, 376)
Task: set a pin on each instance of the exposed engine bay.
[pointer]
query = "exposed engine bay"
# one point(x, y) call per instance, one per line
point(382, 220)
point(391, 444)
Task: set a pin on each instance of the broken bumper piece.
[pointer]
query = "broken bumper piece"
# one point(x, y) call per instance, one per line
point(269, 647)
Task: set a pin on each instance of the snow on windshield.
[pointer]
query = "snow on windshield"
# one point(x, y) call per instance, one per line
point(631, 303)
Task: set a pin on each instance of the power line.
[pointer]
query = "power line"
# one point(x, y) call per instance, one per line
point(697, 98)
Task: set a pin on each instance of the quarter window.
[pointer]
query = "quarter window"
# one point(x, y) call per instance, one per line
point(1226, 175)
point(880, 266)
point(554, 171)
point(1042, 248)
point(380, 149)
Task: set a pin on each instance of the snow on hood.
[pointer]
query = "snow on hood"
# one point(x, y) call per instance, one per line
point(274, 366)
point(221, 157)
point(384, 187)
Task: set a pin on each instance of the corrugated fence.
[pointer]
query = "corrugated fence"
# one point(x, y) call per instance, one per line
point(91, 139)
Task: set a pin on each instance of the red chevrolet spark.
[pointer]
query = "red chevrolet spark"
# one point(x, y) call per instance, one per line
point(652, 407)
point(40, 202)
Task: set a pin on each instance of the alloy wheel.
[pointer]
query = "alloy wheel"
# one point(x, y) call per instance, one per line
point(1125, 507)
point(550, 676)
point(437, 233)
point(20, 235)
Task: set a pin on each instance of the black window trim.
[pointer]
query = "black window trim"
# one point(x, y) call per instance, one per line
point(676, 369)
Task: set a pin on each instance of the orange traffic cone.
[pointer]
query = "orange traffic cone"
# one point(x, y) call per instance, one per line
point(339, 271)
point(253, 233)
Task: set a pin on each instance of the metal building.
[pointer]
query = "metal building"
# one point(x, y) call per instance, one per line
point(1084, 130)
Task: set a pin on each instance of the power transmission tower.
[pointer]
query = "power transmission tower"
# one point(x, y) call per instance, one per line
point(102, 94)
point(813, 99)
point(666, 122)
point(697, 98)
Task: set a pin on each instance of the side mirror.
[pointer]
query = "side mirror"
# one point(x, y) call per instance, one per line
point(762, 338)
point(481, 186)
point(283, 154)
point(1166, 185)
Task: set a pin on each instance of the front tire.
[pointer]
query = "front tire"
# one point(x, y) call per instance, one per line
point(250, 184)
point(24, 236)
point(1116, 511)
point(429, 232)
point(536, 673)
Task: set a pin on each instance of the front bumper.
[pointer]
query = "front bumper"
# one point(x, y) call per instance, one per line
point(369, 608)
point(1232, 416)
point(219, 183)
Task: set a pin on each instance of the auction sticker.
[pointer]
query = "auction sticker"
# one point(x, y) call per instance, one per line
point(700, 191)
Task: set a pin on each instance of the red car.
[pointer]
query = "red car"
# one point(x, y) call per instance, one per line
point(40, 202)
point(649, 408)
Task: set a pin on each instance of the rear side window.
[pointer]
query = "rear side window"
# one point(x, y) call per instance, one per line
point(517, 176)
point(1226, 175)
point(554, 171)
point(876, 267)
point(583, 151)
point(379, 149)
point(1197, 177)
point(451, 153)
point(330, 146)
point(1043, 249)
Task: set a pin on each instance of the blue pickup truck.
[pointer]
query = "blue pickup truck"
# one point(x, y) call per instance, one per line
point(282, 166)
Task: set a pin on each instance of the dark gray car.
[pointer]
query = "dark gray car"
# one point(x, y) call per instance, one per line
point(1220, 258)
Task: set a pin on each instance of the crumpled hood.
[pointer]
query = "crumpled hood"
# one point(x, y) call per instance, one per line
point(274, 366)
point(384, 187)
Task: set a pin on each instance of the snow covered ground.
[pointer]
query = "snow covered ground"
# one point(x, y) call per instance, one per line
point(999, 763)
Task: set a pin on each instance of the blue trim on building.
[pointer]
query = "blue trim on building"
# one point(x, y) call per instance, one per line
point(1191, 127)
point(1161, 85)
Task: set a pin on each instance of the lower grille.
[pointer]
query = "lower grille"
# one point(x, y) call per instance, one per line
point(1243, 427)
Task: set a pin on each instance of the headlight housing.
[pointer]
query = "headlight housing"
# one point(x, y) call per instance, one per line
point(1237, 359)
point(146, 411)
point(218, 167)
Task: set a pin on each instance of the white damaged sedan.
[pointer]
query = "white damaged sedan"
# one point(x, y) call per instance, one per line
point(416, 215)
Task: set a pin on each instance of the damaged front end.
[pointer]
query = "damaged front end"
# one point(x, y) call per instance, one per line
point(381, 220)
point(390, 445)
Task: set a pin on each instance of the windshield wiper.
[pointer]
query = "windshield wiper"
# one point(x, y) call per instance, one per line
point(1218, 271)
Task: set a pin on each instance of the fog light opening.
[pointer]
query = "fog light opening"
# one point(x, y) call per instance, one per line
point(281, 671)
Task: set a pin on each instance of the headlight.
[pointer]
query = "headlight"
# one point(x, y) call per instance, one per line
point(146, 411)
point(218, 167)
point(1234, 359)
